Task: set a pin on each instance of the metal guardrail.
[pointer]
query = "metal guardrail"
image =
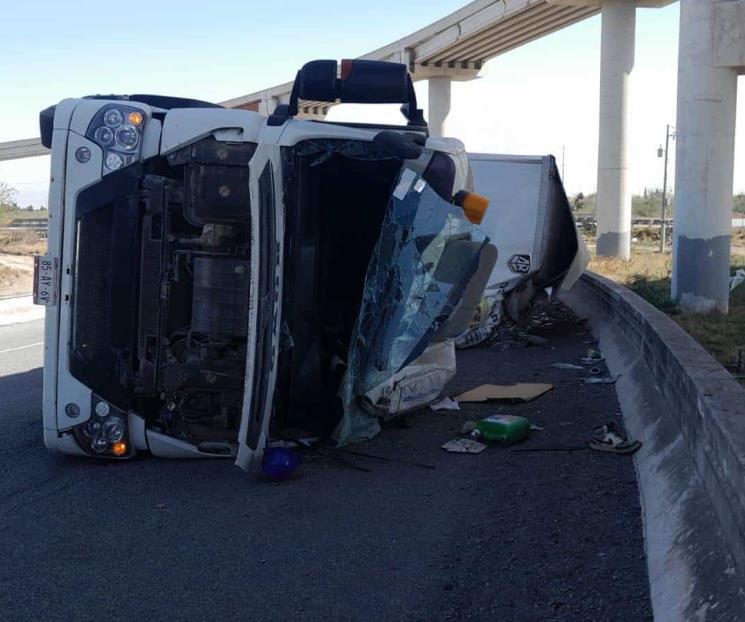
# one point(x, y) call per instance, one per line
point(643, 222)
point(647, 222)
point(37, 225)
point(26, 223)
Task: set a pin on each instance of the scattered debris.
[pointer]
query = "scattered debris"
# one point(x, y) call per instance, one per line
point(601, 380)
point(506, 429)
point(463, 446)
point(286, 444)
point(536, 428)
point(307, 441)
point(735, 280)
point(446, 403)
point(485, 324)
point(468, 427)
point(291, 439)
point(566, 366)
point(593, 356)
point(595, 371)
point(535, 340)
point(611, 438)
point(522, 392)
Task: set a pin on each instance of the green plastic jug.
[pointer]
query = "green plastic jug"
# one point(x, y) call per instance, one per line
point(505, 429)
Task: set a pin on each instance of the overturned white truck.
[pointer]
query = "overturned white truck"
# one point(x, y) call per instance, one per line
point(215, 277)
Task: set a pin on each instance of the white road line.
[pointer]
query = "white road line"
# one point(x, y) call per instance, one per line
point(31, 345)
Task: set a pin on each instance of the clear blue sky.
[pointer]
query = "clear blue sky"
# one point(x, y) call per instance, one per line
point(214, 49)
point(532, 100)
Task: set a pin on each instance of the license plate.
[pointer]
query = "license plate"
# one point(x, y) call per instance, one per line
point(45, 280)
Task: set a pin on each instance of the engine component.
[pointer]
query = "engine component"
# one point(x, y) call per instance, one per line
point(220, 299)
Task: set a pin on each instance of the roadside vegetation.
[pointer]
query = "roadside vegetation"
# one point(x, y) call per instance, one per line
point(17, 247)
point(647, 205)
point(11, 210)
point(648, 274)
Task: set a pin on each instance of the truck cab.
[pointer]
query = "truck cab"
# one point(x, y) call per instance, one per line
point(216, 279)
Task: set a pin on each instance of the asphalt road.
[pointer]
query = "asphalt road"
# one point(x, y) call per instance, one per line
point(498, 536)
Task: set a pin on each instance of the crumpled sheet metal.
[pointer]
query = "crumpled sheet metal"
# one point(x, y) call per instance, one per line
point(409, 292)
point(416, 385)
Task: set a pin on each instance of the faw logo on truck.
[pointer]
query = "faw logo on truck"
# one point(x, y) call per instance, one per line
point(519, 264)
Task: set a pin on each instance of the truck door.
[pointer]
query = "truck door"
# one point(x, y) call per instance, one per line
point(267, 232)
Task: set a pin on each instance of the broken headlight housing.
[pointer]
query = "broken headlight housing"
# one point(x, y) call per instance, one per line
point(118, 131)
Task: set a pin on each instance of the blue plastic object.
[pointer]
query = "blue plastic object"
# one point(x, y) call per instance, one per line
point(279, 463)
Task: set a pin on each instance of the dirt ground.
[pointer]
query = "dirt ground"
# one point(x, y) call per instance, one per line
point(21, 243)
point(16, 261)
point(16, 274)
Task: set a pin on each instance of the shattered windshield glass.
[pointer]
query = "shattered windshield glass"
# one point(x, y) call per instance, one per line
point(426, 254)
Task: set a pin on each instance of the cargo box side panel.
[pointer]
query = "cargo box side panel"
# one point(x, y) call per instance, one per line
point(514, 221)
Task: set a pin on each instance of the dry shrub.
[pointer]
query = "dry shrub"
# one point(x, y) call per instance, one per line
point(21, 243)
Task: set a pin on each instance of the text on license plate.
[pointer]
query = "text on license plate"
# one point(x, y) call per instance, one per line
point(45, 280)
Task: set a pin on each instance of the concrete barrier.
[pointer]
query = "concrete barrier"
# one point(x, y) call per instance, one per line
point(19, 309)
point(690, 414)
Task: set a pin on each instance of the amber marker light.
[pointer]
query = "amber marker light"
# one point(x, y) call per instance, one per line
point(474, 205)
point(119, 449)
point(134, 118)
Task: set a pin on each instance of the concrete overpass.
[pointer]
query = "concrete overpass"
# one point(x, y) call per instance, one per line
point(712, 53)
point(456, 47)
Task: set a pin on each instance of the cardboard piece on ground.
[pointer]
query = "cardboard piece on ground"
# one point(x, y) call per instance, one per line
point(522, 392)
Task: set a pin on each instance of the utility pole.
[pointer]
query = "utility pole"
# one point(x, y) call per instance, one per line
point(663, 224)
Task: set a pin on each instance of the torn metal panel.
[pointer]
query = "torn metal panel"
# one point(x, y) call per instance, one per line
point(416, 385)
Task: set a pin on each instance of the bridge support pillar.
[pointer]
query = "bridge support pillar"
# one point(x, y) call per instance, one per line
point(616, 64)
point(439, 105)
point(705, 152)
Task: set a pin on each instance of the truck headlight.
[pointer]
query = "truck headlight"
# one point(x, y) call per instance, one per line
point(113, 430)
point(117, 130)
point(105, 433)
